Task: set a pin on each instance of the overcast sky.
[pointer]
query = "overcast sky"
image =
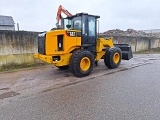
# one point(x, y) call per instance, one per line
point(40, 15)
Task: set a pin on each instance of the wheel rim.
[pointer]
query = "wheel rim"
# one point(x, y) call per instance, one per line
point(116, 57)
point(85, 63)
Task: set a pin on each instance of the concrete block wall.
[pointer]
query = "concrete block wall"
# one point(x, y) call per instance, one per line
point(137, 43)
point(18, 47)
point(155, 43)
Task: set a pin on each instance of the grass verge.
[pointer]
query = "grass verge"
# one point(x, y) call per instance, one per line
point(14, 66)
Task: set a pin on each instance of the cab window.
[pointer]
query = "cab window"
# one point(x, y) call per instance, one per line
point(92, 26)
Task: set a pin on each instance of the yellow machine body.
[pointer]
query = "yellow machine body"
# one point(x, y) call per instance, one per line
point(70, 43)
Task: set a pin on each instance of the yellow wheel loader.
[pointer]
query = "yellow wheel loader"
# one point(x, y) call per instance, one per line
point(76, 46)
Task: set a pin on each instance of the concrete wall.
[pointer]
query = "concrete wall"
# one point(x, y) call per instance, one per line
point(18, 47)
point(155, 43)
point(137, 43)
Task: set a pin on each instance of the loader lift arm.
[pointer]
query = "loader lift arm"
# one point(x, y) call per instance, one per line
point(59, 16)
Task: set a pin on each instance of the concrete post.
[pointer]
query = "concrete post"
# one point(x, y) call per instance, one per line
point(149, 44)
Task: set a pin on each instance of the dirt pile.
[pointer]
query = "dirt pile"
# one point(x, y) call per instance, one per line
point(129, 32)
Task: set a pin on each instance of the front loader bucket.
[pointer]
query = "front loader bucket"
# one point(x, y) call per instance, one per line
point(126, 51)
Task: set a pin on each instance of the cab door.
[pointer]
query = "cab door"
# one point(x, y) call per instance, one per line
point(89, 32)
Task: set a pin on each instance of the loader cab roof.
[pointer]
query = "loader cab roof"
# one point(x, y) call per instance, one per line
point(79, 21)
point(80, 14)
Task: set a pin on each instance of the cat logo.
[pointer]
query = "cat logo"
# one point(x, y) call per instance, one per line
point(72, 33)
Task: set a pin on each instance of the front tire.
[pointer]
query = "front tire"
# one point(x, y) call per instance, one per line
point(81, 63)
point(112, 58)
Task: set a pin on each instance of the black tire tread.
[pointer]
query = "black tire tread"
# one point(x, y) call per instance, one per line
point(74, 66)
point(108, 59)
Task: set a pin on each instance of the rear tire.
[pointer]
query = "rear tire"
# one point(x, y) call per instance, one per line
point(112, 58)
point(81, 63)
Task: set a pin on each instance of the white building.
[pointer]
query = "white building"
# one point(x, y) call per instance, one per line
point(6, 23)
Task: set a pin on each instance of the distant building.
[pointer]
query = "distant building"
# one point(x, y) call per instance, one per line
point(154, 31)
point(6, 23)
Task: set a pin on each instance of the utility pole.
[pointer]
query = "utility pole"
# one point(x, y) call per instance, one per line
point(18, 26)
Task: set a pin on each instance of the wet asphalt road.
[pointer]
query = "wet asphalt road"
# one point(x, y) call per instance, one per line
point(132, 94)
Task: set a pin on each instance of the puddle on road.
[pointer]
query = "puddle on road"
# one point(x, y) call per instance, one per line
point(153, 59)
point(8, 94)
point(67, 75)
point(47, 90)
point(4, 88)
point(25, 80)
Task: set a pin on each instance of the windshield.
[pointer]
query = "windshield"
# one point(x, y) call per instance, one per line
point(74, 23)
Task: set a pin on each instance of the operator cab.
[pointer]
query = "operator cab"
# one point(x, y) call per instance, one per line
point(87, 24)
